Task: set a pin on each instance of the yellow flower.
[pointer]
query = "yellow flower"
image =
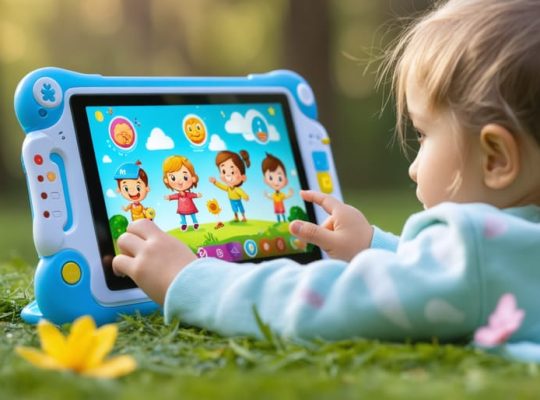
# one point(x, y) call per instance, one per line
point(82, 351)
point(213, 206)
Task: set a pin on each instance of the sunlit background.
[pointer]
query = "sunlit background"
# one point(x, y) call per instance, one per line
point(334, 44)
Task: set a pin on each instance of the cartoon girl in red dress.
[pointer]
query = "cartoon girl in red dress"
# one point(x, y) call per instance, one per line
point(179, 175)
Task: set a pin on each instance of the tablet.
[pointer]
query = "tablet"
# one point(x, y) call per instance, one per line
point(221, 173)
point(216, 162)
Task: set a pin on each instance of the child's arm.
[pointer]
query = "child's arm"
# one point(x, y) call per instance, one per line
point(344, 234)
point(384, 240)
point(429, 288)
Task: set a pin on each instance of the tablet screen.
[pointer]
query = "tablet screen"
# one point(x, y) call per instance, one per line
point(221, 173)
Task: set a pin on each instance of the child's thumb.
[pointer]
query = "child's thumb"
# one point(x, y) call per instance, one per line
point(311, 233)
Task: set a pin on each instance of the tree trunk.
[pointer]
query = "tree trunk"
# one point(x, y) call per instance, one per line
point(140, 33)
point(307, 51)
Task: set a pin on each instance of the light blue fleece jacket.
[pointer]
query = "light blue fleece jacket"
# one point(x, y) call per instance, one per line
point(442, 278)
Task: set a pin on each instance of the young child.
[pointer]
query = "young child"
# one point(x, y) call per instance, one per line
point(275, 176)
point(467, 76)
point(179, 175)
point(232, 172)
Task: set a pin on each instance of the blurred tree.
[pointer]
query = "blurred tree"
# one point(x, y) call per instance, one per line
point(218, 37)
point(307, 51)
point(138, 12)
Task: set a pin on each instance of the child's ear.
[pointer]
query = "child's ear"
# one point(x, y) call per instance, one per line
point(500, 156)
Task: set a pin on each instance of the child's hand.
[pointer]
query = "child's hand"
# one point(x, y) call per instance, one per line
point(151, 258)
point(343, 235)
point(212, 179)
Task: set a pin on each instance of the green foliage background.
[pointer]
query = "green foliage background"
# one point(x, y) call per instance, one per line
point(219, 37)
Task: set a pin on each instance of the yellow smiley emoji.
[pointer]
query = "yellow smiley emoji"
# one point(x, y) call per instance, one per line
point(194, 129)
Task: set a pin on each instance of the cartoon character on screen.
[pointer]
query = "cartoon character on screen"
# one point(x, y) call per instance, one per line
point(179, 175)
point(275, 176)
point(133, 186)
point(232, 170)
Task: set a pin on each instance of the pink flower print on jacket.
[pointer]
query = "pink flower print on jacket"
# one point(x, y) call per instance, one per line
point(494, 227)
point(313, 298)
point(503, 322)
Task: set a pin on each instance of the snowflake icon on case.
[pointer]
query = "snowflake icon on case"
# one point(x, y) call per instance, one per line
point(48, 92)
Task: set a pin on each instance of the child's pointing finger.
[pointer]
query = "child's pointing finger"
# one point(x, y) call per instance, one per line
point(327, 202)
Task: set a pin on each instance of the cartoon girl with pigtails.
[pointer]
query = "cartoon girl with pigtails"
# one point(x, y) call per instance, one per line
point(232, 170)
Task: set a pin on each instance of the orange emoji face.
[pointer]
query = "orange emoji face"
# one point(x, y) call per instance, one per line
point(122, 133)
point(195, 130)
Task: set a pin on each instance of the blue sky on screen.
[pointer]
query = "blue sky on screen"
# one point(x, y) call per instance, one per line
point(159, 133)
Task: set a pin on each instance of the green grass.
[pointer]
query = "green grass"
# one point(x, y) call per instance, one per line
point(188, 363)
point(16, 231)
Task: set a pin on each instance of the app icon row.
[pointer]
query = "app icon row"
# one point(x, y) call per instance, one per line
point(234, 251)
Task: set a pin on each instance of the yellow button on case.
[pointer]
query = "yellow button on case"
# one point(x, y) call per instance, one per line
point(71, 273)
point(325, 182)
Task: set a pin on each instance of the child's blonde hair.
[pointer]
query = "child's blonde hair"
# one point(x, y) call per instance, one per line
point(173, 164)
point(478, 60)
